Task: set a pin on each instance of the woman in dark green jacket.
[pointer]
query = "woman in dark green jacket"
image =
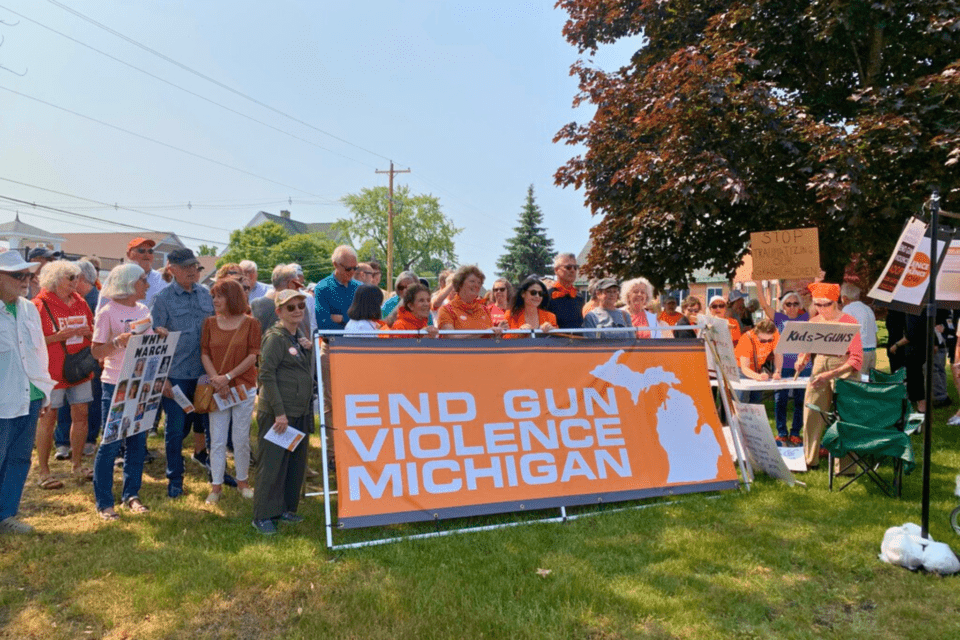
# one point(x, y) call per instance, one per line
point(286, 400)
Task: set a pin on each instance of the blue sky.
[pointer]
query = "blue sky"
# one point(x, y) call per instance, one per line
point(468, 95)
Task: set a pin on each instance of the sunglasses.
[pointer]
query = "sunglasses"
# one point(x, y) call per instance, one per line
point(22, 276)
point(693, 309)
point(150, 251)
point(791, 304)
point(499, 289)
point(347, 269)
point(718, 306)
point(293, 307)
point(764, 340)
point(572, 267)
point(537, 293)
point(821, 305)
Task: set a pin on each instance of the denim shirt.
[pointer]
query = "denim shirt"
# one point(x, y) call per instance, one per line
point(177, 309)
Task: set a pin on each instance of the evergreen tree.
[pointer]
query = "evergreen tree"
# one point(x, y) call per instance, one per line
point(529, 252)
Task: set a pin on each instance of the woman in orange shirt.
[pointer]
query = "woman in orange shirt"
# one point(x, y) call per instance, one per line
point(718, 309)
point(413, 313)
point(527, 311)
point(466, 312)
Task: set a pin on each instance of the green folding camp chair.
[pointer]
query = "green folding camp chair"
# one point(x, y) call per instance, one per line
point(900, 375)
point(868, 427)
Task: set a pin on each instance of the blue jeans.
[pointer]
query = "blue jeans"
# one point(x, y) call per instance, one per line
point(750, 397)
point(134, 450)
point(175, 432)
point(61, 437)
point(16, 446)
point(780, 398)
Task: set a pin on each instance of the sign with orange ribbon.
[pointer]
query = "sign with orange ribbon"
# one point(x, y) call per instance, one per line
point(437, 429)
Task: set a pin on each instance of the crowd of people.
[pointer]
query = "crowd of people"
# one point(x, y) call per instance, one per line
point(241, 332)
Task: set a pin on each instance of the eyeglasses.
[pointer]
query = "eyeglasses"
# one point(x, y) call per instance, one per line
point(537, 293)
point(821, 305)
point(572, 267)
point(791, 304)
point(693, 309)
point(21, 276)
point(499, 289)
point(150, 251)
point(293, 307)
point(234, 273)
point(718, 306)
point(347, 269)
point(366, 273)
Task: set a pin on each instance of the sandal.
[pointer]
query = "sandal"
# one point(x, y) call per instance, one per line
point(82, 475)
point(49, 482)
point(135, 506)
point(108, 516)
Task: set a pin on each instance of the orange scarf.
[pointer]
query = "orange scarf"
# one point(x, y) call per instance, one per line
point(406, 321)
point(561, 290)
point(463, 308)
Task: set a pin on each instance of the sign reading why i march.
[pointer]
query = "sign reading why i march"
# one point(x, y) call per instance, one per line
point(457, 428)
point(792, 253)
point(828, 338)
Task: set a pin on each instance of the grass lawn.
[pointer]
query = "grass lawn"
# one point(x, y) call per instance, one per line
point(772, 562)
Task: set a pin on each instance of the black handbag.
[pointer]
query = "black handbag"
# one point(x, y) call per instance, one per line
point(76, 366)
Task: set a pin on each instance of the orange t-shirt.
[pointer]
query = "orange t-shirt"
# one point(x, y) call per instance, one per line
point(669, 318)
point(754, 351)
point(214, 343)
point(734, 330)
point(406, 321)
point(520, 320)
point(464, 317)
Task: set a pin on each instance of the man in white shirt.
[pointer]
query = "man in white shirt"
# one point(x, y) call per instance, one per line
point(257, 289)
point(850, 297)
point(25, 381)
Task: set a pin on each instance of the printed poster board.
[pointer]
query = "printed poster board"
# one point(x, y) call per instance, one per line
point(717, 334)
point(759, 443)
point(136, 398)
point(948, 277)
point(904, 283)
point(482, 426)
point(791, 253)
point(828, 338)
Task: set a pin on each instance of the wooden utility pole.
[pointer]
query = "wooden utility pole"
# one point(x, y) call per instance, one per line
point(392, 171)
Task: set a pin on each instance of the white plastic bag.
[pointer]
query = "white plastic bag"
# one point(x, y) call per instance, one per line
point(901, 548)
point(939, 558)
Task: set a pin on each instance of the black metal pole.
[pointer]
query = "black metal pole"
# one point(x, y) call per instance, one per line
point(931, 329)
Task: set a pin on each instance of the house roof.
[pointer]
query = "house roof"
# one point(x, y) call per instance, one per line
point(295, 227)
point(18, 227)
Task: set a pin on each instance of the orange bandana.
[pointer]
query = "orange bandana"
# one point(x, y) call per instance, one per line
point(561, 290)
point(825, 290)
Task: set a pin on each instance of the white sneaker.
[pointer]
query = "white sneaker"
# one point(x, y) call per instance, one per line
point(89, 449)
point(12, 525)
point(63, 453)
point(954, 421)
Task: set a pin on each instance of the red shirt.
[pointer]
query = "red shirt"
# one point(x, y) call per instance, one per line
point(74, 313)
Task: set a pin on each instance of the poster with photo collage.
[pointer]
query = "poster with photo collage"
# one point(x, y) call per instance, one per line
point(136, 398)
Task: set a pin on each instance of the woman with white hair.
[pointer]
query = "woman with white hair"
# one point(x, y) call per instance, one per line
point(791, 308)
point(125, 287)
point(67, 325)
point(404, 280)
point(635, 294)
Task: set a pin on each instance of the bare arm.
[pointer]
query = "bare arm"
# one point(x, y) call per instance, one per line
point(764, 303)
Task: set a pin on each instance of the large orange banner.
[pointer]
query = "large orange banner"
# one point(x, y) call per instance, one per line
point(443, 428)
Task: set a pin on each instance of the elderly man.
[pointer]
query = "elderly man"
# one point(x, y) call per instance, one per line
point(334, 295)
point(850, 298)
point(183, 307)
point(25, 381)
point(257, 289)
point(364, 273)
point(140, 252)
point(284, 277)
point(566, 302)
point(404, 280)
point(40, 256)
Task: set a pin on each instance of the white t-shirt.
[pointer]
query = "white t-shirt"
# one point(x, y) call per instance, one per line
point(113, 319)
point(867, 322)
point(358, 327)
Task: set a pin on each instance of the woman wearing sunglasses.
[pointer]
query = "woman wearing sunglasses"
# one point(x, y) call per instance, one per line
point(791, 308)
point(690, 309)
point(286, 400)
point(500, 297)
point(528, 310)
point(718, 309)
point(756, 357)
point(229, 346)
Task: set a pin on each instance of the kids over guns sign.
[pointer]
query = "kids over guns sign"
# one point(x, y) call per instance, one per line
point(442, 428)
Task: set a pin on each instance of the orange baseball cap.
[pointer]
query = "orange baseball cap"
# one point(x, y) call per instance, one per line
point(136, 242)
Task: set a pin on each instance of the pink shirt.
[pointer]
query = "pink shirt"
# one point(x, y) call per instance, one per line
point(855, 350)
point(113, 319)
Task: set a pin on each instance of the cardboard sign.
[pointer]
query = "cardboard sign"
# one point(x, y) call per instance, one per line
point(905, 281)
point(759, 443)
point(828, 338)
point(793, 253)
point(136, 397)
point(443, 429)
point(717, 335)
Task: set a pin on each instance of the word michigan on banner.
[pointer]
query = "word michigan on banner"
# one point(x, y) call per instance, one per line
point(136, 398)
point(449, 429)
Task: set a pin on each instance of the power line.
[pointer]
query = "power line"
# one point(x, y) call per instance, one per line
point(176, 86)
point(163, 144)
point(208, 78)
point(113, 222)
point(114, 206)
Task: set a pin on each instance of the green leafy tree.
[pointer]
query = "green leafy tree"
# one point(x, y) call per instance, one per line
point(206, 250)
point(421, 232)
point(738, 116)
point(255, 243)
point(311, 251)
point(529, 251)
